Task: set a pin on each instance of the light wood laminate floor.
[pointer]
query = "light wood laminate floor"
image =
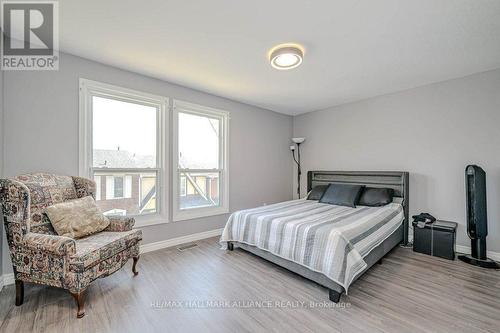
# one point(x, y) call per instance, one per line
point(409, 292)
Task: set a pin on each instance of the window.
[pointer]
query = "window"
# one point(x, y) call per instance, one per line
point(122, 146)
point(117, 186)
point(118, 190)
point(200, 161)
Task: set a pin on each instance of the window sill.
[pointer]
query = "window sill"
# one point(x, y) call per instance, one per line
point(199, 213)
point(147, 221)
point(117, 198)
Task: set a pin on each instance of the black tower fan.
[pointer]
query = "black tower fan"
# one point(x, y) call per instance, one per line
point(477, 222)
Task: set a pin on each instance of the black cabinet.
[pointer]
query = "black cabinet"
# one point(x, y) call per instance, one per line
point(435, 239)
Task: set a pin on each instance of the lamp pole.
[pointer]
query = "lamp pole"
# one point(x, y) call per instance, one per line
point(299, 170)
point(297, 141)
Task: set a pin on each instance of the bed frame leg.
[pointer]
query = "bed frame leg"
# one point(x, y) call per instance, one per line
point(334, 296)
point(230, 246)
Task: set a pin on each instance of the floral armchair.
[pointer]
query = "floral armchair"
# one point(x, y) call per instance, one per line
point(40, 256)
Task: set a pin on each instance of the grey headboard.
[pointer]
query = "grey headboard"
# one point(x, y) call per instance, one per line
point(397, 180)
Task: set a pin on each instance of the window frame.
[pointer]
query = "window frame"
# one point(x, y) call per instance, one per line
point(114, 187)
point(223, 170)
point(111, 195)
point(87, 90)
point(183, 187)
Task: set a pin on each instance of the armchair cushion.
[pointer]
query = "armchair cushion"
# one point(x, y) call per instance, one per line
point(77, 218)
point(120, 223)
point(96, 248)
point(55, 245)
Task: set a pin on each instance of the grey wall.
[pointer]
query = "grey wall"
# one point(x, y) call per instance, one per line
point(41, 134)
point(433, 132)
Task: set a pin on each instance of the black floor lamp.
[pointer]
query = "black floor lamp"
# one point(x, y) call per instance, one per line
point(297, 141)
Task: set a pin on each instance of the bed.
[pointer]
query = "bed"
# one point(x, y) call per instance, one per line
point(330, 245)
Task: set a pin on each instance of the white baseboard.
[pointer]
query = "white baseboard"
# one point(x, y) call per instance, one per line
point(179, 240)
point(490, 254)
point(6, 279)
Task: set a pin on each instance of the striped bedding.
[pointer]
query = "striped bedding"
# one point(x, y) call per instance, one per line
point(329, 239)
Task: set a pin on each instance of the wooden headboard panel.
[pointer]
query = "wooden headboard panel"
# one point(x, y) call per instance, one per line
point(397, 180)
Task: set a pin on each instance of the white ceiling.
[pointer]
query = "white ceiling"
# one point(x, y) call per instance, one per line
point(354, 49)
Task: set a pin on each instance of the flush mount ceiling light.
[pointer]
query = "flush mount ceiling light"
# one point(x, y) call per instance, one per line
point(286, 56)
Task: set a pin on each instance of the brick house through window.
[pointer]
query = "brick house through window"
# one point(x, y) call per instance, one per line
point(122, 193)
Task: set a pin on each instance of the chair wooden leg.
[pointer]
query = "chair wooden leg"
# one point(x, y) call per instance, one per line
point(134, 269)
point(80, 302)
point(230, 246)
point(19, 292)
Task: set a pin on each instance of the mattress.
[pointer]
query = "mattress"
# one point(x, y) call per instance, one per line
point(328, 239)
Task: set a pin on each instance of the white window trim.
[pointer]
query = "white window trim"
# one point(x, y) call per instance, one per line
point(183, 188)
point(110, 187)
point(223, 208)
point(88, 89)
point(127, 186)
point(117, 210)
point(98, 188)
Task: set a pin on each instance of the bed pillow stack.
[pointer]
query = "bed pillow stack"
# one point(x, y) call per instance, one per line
point(342, 195)
point(351, 195)
point(317, 192)
point(376, 197)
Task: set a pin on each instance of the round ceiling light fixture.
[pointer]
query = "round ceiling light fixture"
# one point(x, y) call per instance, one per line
point(286, 56)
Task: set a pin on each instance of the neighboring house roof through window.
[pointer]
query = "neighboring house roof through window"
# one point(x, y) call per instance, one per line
point(121, 159)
